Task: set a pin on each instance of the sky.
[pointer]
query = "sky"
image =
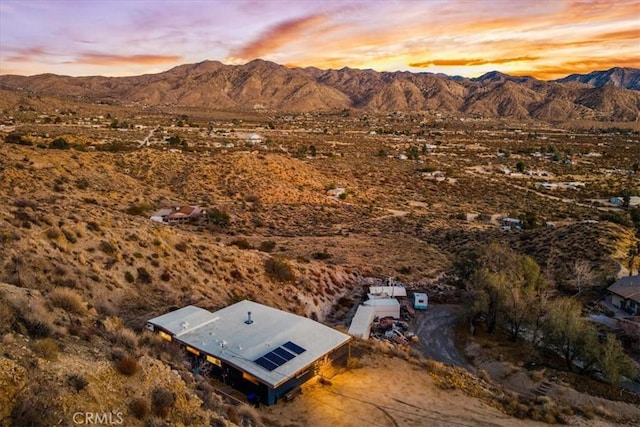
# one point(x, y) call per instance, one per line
point(547, 39)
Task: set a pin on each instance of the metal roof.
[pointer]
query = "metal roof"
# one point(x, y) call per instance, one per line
point(361, 323)
point(183, 320)
point(382, 302)
point(389, 291)
point(229, 337)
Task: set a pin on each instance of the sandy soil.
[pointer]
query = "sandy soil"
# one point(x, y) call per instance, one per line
point(386, 391)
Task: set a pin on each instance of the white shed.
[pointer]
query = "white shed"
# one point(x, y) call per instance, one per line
point(361, 323)
point(385, 307)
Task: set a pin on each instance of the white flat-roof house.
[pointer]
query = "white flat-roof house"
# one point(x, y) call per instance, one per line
point(254, 348)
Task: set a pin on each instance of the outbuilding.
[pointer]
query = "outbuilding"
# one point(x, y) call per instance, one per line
point(420, 301)
point(258, 350)
point(384, 307)
point(361, 323)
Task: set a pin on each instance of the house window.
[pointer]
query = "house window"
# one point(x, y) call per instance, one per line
point(165, 336)
point(214, 360)
point(193, 350)
point(250, 378)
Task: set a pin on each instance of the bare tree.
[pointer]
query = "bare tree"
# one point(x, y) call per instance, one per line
point(583, 275)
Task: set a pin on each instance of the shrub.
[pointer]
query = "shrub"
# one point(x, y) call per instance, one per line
point(53, 233)
point(16, 138)
point(47, 348)
point(139, 407)
point(143, 275)
point(139, 209)
point(129, 277)
point(279, 270)
point(66, 299)
point(321, 255)
point(82, 183)
point(182, 246)
point(241, 243)
point(6, 316)
point(108, 248)
point(127, 366)
point(77, 382)
point(267, 246)
point(162, 400)
point(60, 144)
point(218, 217)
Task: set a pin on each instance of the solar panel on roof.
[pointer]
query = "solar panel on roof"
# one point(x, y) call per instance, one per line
point(266, 364)
point(294, 347)
point(280, 351)
point(279, 356)
point(271, 356)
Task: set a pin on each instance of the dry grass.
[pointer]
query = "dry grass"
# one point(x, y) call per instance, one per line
point(47, 348)
point(67, 299)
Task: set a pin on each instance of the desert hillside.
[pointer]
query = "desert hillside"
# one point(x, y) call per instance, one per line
point(265, 86)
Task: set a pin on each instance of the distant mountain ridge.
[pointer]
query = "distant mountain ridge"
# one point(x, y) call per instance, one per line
point(626, 78)
point(263, 85)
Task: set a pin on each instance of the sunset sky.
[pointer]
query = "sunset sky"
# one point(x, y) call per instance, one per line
point(544, 38)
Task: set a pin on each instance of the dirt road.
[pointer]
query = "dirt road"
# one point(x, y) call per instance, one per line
point(435, 328)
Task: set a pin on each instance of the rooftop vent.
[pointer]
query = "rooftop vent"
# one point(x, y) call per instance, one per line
point(248, 321)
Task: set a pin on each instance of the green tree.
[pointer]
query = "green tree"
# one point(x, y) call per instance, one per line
point(614, 361)
point(218, 217)
point(567, 332)
point(521, 166)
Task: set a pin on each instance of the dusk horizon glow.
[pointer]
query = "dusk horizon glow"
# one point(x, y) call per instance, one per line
point(545, 39)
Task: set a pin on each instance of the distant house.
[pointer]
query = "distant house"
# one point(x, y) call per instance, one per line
point(254, 138)
point(619, 201)
point(179, 214)
point(511, 224)
point(259, 350)
point(336, 192)
point(625, 294)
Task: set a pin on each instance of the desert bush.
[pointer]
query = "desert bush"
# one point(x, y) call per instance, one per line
point(17, 138)
point(182, 246)
point(139, 209)
point(35, 409)
point(143, 275)
point(218, 217)
point(59, 144)
point(108, 248)
point(6, 316)
point(66, 299)
point(71, 238)
point(321, 255)
point(127, 366)
point(279, 270)
point(267, 246)
point(129, 277)
point(53, 233)
point(162, 400)
point(82, 183)
point(77, 382)
point(241, 243)
point(140, 408)
point(249, 415)
point(47, 348)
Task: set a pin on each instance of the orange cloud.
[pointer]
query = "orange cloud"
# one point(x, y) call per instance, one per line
point(470, 62)
point(279, 35)
point(107, 59)
point(580, 66)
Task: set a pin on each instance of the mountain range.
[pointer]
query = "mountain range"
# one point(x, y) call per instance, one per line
point(263, 85)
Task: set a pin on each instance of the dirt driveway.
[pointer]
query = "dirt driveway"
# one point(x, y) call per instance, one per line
point(435, 328)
